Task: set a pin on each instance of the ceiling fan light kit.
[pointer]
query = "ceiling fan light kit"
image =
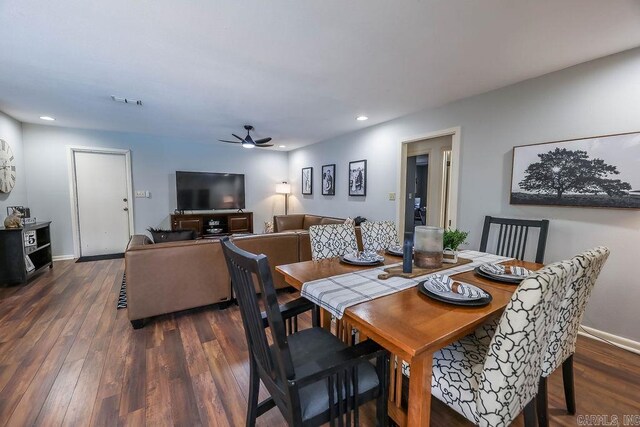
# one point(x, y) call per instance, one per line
point(247, 141)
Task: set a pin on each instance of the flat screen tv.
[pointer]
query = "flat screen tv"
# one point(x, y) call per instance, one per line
point(207, 191)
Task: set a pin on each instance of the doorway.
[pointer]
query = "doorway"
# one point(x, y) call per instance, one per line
point(429, 181)
point(101, 195)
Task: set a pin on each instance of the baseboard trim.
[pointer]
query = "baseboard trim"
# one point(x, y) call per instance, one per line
point(63, 257)
point(625, 343)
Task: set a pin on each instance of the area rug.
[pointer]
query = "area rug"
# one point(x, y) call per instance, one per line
point(100, 257)
point(122, 297)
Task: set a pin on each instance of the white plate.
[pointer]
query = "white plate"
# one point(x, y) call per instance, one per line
point(362, 259)
point(435, 285)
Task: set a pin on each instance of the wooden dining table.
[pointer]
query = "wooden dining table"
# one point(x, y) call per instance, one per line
point(410, 325)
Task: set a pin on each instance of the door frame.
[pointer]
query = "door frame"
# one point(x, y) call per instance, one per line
point(75, 215)
point(454, 132)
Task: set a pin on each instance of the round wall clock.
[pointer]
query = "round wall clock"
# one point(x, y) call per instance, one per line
point(7, 168)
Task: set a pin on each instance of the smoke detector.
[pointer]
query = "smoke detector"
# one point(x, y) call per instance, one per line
point(126, 100)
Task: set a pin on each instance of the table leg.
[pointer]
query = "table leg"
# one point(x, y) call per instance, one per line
point(419, 412)
point(325, 319)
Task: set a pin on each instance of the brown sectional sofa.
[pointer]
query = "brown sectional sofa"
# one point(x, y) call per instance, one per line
point(168, 277)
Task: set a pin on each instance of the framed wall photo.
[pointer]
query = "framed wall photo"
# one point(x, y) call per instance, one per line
point(599, 171)
point(307, 181)
point(329, 180)
point(358, 178)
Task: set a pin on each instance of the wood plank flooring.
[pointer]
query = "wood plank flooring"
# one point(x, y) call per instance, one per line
point(68, 357)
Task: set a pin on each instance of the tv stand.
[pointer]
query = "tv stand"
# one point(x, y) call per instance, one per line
point(214, 224)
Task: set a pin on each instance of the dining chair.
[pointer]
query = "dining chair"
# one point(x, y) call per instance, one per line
point(328, 241)
point(585, 269)
point(378, 235)
point(311, 376)
point(512, 236)
point(491, 376)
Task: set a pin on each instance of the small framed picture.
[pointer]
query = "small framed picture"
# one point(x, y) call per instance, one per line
point(358, 178)
point(307, 181)
point(329, 180)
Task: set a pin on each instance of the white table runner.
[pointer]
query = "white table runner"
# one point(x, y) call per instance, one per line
point(335, 294)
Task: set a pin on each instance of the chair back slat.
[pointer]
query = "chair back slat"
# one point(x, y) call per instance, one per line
point(248, 270)
point(512, 236)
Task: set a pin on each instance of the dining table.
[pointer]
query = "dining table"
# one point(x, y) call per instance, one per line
point(409, 324)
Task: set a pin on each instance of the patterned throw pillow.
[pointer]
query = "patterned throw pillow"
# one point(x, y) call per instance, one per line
point(268, 227)
point(349, 221)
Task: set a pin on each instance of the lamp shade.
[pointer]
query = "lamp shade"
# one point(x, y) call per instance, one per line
point(283, 188)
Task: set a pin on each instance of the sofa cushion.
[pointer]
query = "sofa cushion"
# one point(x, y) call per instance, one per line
point(160, 236)
point(288, 222)
point(310, 220)
point(328, 221)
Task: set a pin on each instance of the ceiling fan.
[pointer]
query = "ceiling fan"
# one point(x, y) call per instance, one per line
point(247, 141)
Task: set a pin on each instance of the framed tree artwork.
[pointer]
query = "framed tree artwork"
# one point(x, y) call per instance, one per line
point(307, 181)
point(599, 171)
point(358, 178)
point(329, 180)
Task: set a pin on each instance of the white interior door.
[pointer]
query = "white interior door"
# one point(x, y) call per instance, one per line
point(102, 200)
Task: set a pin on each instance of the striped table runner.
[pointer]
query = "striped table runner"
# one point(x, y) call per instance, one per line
point(335, 294)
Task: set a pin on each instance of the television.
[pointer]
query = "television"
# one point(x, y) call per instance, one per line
point(208, 191)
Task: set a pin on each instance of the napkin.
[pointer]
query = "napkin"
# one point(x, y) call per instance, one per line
point(500, 270)
point(444, 283)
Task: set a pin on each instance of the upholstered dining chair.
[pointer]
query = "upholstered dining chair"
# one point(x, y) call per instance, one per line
point(585, 269)
point(511, 240)
point(378, 235)
point(490, 376)
point(332, 240)
point(312, 377)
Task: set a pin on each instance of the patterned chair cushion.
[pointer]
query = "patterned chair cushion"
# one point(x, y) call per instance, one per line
point(332, 240)
point(585, 269)
point(378, 235)
point(490, 377)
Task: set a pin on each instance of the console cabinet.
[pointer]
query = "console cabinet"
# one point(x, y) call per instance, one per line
point(214, 224)
point(24, 252)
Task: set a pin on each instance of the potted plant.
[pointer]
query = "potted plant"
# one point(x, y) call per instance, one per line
point(451, 240)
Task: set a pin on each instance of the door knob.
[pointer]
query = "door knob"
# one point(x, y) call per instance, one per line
point(125, 209)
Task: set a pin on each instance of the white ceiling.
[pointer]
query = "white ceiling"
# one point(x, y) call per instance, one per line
point(300, 71)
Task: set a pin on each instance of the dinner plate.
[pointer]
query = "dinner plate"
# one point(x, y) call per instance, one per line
point(395, 250)
point(362, 259)
point(453, 297)
point(498, 278)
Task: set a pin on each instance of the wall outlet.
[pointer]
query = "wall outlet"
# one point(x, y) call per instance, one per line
point(392, 196)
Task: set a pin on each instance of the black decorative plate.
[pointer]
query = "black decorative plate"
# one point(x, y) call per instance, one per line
point(504, 279)
point(479, 302)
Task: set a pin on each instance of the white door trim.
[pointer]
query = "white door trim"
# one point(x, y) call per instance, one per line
point(455, 171)
point(75, 220)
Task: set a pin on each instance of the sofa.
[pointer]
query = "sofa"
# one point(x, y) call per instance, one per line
point(167, 277)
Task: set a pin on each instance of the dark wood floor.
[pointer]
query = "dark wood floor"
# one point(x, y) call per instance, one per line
point(68, 357)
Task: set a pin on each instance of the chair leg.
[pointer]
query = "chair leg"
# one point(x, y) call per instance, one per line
point(543, 403)
point(382, 409)
point(315, 316)
point(569, 390)
point(254, 388)
point(530, 414)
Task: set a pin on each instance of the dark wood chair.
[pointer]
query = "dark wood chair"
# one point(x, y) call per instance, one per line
point(312, 376)
point(512, 236)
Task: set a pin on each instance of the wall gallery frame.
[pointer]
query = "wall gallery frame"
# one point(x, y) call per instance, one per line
point(329, 180)
point(358, 178)
point(599, 171)
point(307, 181)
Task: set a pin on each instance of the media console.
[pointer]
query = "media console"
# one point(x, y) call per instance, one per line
point(214, 224)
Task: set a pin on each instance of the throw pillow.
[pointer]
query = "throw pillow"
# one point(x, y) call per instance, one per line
point(160, 236)
point(268, 227)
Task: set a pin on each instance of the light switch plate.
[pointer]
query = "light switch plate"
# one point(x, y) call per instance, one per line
point(392, 196)
point(140, 194)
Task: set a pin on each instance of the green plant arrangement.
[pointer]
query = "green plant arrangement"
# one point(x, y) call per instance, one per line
point(452, 239)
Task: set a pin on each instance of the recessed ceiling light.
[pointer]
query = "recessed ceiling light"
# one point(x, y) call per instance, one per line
point(47, 118)
point(282, 146)
point(362, 118)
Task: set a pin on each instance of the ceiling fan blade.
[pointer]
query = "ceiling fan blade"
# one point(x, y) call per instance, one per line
point(264, 145)
point(241, 139)
point(263, 141)
point(231, 142)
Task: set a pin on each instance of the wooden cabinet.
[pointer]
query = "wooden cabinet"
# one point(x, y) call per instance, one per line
point(214, 224)
point(24, 252)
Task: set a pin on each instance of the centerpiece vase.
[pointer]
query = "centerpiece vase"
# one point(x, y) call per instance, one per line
point(428, 247)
